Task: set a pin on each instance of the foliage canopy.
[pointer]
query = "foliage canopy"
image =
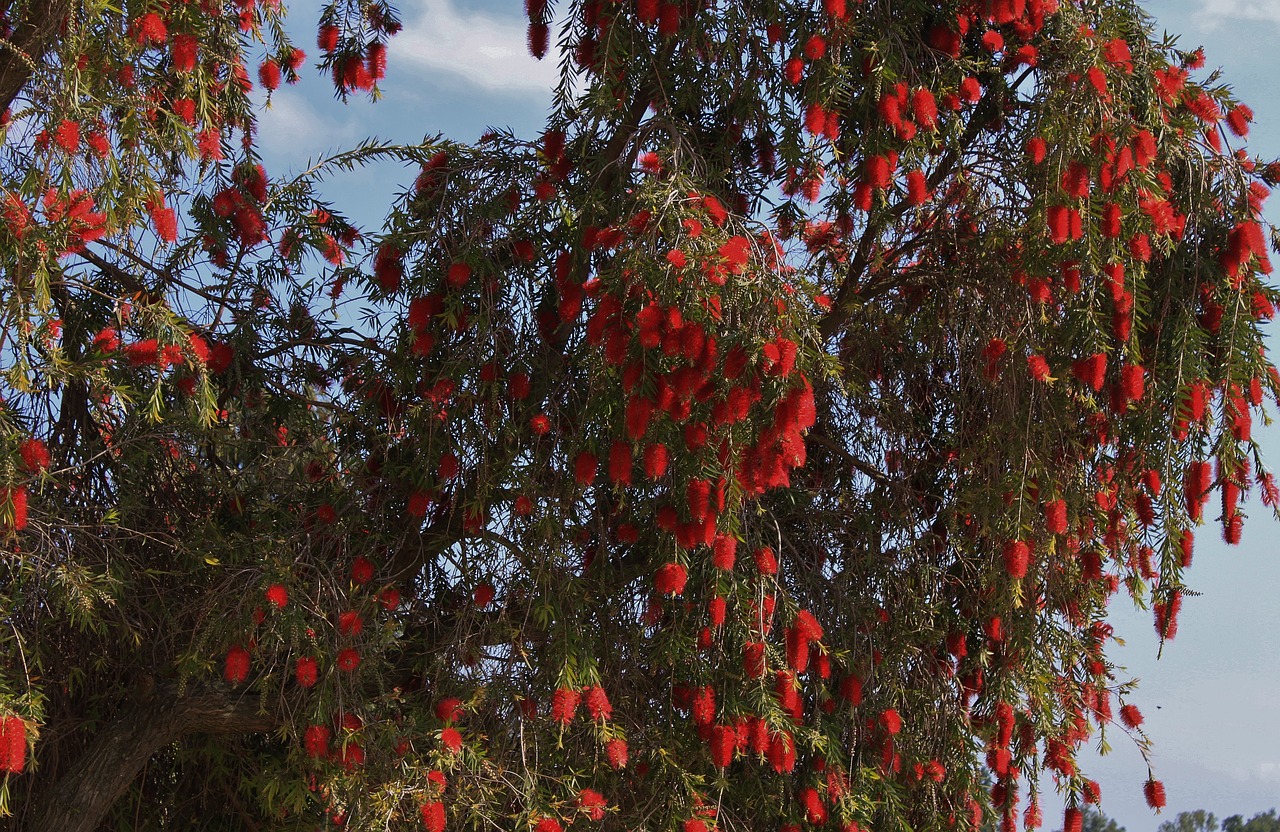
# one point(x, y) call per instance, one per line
point(758, 447)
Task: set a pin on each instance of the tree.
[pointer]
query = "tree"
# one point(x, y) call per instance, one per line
point(1197, 821)
point(757, 447)
point(1261, 822)
point(1096, 821)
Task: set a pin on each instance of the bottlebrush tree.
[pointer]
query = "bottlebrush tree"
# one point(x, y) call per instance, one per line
point(758, 447)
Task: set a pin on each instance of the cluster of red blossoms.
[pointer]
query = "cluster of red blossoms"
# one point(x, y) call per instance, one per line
point(13, 744)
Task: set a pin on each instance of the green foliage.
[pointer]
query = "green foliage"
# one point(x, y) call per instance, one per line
point(760, 446)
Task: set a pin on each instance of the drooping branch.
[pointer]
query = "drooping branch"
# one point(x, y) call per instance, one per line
point(86, 793)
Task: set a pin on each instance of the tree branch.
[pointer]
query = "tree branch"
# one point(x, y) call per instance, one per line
point(33, 36)
point(109, 766)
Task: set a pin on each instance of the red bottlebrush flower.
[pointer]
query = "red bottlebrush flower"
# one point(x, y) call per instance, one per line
point(598, 705)
point(1140, 247)
point(793, 69)
point(418, 503)
point(236, 666)
point(316, 741)
point(433, 816)
point(1055, 516)
point(538, 38)
point(925, 108)
point(199, 348)
point(305, 671)
point(549, 824)
point(724, 741)
point(671, 578)
point(142, 353)
point(716, 609)
point(891, 721)
point(815, 119)
point(593, 803)
point(449, 709)
point(1016, 556)
point(698, 498)
point(451, 739)
point(970, 90)
point(183, 50)
point(278, 596)
point(917, 188)
point(1075, 180)
point(877, 172)
point(361, 571)
point(1091, 370)
point(482, 595)
point(376, 60)
point(327, 37)
point(782, 752)
point(993, 352)
point(639, 412)
point(1166, 616)
point(585, 466)
point(1110, 222)
point(753, 659)
point(348, 659)
point(1036, 149)
point(35, 456)
point(703, 708)
point(519, 386)
point(1038, 367)
point(564, 704)
point(766, 561)
point(1196, 488)
point(350, 623)
point(1072, 820)
point(851, 690)
point(668, 25)
point(459, 275)
point(815, 47)
point(723, 550)
point(1059, 220)
point(1132, 383)
point(1238, 119)
point(807, 626)
point(890, 108)
point(269, 75)
point(150, 30)
point(1153, 791)
point(1131, 716)
point(655, 461)
point(540, 425)
point(814, 810)
point(13, 744)
point(615, 751)
point(67, 137)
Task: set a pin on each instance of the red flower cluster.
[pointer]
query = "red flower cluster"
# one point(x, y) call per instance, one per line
point(13, 744)
point(236, 668)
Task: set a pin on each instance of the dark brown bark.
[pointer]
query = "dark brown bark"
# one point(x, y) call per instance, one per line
point(84, 795)
point(34, 34)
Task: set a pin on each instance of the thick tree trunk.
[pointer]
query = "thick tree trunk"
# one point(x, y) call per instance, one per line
point(83, 796)
point(33, 35)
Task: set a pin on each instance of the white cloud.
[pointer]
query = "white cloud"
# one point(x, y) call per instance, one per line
point(292, 131)
point(488, 52)
point(1213, 13)
point(1269, 772)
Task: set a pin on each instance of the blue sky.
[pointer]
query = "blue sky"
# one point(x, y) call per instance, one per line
point(1212, 702)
